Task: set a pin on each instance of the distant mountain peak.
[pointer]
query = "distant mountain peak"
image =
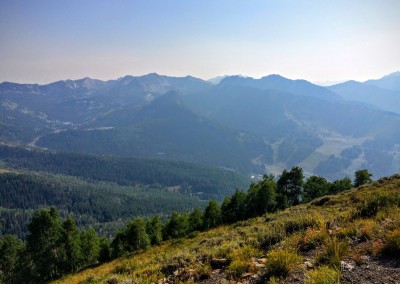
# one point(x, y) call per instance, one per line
point(390, 81)
point(394, 74)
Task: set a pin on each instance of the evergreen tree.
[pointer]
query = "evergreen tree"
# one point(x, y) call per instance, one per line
point(362, 177)
point(154, 228)
point(43, 244)
point(227, 216)
point(90, 246)
point(234, 208)
point(196, 220)
point(10, 254)
point(105, 250)
point(290, 185)
point(340, 185)
point(261, 197)
point(119, 245)
point(314, 187)
point(136, 235)
point(177, 226)
point(212, 215)
point(72, 246)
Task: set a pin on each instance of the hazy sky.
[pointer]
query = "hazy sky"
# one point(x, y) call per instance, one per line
point(317, 40)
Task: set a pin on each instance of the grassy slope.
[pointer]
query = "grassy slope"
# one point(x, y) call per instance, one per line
point(341, 220)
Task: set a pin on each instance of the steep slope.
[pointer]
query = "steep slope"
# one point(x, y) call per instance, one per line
point(351, 237)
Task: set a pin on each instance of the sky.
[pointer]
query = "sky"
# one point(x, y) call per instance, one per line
point(44, 41)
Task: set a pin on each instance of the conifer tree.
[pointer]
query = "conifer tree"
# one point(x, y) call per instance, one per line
point(10, 254)
point(154, 228)
point(195, 220)
point(72, 246)
point(136, 235)
point(105, 250)
point(43, 244)
point(90, 245)
point(212, 215)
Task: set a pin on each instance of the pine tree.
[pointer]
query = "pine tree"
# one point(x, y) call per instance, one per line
point(212, 215)
point(314, 187)
point(10, 254)
point(195, 220)
point(290, 187)
point(105, 250)
point(136, 235)
point(154, 230)
point(362, 177)
point(90, 246)
point(72, 246)
point(177, 226)
point(43, 244)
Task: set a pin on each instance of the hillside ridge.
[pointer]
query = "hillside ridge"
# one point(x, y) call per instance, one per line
point(352, 236)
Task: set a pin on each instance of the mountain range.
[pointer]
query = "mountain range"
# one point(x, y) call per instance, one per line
point(243, 124)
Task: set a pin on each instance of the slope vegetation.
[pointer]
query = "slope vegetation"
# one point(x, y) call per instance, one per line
point(352, 237)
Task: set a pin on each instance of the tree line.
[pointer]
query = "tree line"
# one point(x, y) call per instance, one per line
point(55, 247)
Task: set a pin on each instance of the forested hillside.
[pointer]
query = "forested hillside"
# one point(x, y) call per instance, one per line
point(104, 206)
point(188, 178)
point(102, 192)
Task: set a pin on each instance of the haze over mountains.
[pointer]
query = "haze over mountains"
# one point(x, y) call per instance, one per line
point(248, 125)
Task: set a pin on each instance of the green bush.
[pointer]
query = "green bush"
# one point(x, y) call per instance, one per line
point(240, 261)
point(333, 253)
point(303, 222)
point(274, 234)
point(371, 205)
point(312, 238)
point(281, 262)
point(322, 275)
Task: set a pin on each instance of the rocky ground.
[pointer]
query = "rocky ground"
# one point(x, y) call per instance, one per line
point(369, 271)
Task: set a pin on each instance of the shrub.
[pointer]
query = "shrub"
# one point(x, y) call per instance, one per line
point(281, 262)
point(391, 246)
point(322, 275)
point(389, 217)
point(369, 229)
point(303, 222)
point(275, 233)
point(203, 270)
point(371, 205)
point(312, 238)
point(333, 253)
point(241, 261)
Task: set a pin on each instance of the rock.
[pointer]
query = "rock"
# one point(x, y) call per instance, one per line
point(247, 275)
point(344, 266)
point(219, 262)
point(260, 265)
point(308, 264)
point(262, 260)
